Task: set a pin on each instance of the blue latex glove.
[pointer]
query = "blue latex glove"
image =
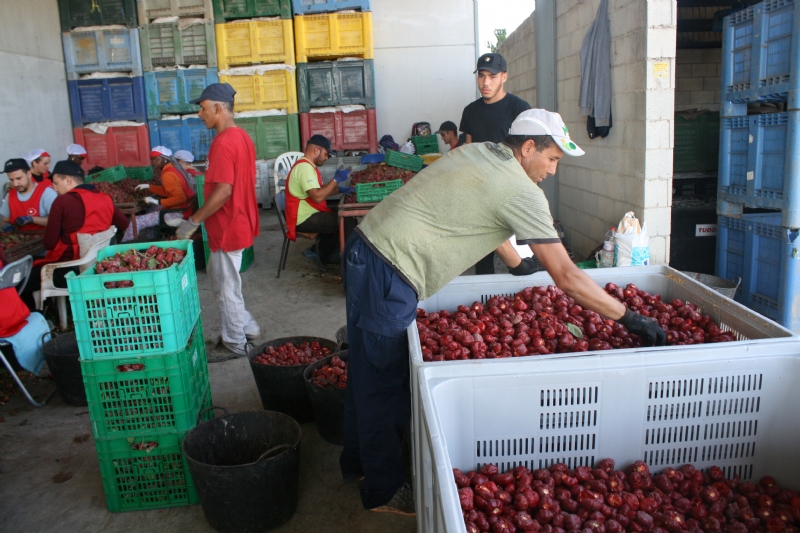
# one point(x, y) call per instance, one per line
point(21, 221)
point(8, 227)
point(346, 190)
point(341, 175)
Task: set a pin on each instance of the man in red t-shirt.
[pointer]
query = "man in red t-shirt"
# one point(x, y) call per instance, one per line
point(230, 213)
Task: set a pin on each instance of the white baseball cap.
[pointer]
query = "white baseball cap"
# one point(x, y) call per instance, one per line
point(76, 149)
point(184, 155)
point(159, 151)
point(35, 154)
point(543, 122)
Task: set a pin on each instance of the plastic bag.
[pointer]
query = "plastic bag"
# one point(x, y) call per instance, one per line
point(631, 242)
point(408, 148)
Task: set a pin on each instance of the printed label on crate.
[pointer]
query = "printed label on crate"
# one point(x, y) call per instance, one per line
point(185, 282)
point(705, 230)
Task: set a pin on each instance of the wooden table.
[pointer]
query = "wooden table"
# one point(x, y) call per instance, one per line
point(350, 210)
point(130, 209)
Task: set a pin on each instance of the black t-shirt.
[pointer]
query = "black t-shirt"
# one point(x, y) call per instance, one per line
point(491, 122)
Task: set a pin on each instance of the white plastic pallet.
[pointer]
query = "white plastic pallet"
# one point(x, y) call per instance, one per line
point(732, 408)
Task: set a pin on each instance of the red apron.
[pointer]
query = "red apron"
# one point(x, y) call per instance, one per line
point(13, 313)
point(28, 208)
point(44, 179)
point(99, 210)
point(293, 203)
point(187, 190)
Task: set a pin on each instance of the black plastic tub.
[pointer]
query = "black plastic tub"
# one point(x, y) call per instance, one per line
point(327, 403)
point(63, 360)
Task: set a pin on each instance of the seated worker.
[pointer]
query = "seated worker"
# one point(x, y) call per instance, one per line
point(39, 161)
point(449, 133)
point(27, 204)
point(306, 208)
point(176, 191)
point(79, 208)
point(76, 153)
point(21, 328)
point(185, 160)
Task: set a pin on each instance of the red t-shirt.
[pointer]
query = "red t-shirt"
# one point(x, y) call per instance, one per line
point(232, 159)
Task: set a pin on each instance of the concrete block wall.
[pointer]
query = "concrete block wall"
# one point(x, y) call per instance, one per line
point(631, 169)
point(519, 51)
point(698, 77)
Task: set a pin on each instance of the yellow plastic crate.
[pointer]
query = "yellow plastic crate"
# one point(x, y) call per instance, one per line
point(262, 90)
point(333, 35)
point(430, 158)
point(252, 42)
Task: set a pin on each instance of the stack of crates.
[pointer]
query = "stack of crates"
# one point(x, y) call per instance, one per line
point(248, 255)
point(104, 81)
point(179, 59)
point(335, 73)
point(143, 360)
point(759, 172)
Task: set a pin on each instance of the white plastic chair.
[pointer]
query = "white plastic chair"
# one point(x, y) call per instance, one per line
point(283, 165)
point(88, 260)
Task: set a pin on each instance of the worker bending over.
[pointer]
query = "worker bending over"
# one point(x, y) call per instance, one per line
point(416, 241)
point(27, 204)
point(230, 212)
point(307, 210)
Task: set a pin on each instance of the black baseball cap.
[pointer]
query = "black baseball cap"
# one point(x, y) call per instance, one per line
point(448, 125)
point(68, 168)
point(321, 141)
point(15, 164)
point(494, 63)
point(216, 92)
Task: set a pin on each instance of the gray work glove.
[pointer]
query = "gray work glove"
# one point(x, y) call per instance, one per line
point(647, 328)
point(526, 268)
point(186, 229)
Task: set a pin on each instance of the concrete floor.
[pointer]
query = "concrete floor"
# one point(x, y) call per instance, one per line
point(49, 474)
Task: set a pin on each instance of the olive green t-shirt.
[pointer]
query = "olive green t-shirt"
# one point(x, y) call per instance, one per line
point(455, 212)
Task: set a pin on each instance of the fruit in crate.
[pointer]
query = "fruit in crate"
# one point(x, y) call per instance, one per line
point(331, 375)
point(290, 355)
point(122, 191)
point(153, 258)
point(544, 320)
point(375, 174)
point(11, 239)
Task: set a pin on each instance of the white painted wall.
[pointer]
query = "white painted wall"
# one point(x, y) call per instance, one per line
point(35, 105)
point(424, 58)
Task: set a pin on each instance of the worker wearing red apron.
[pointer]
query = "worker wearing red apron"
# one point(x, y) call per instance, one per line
point(27, 205)
point(39, 160)
point(306, 207)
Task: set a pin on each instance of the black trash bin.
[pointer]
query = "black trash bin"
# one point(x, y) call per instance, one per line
point(63, 360)
point(246, 468)
point(327, 403)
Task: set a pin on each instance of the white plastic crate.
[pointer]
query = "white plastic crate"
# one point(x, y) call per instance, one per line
point(732, 408)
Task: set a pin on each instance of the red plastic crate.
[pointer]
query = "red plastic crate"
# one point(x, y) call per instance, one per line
point(356, 130)
point(120, 145)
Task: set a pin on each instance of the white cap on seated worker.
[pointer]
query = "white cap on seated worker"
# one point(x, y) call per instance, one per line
point(76, 153)
point(33, 155)
point(158, 151)
point(39, 161)
point(184, 155)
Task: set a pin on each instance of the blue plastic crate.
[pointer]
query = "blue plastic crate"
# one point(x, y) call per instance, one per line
point(759, 164)
point(169, 91)
point(101, 100)
point(182, 134)
point(760, 56)
point(310, 7)
point(765, 255)
point(102, 50)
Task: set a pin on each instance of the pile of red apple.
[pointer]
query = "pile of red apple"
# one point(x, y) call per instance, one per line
point(544, 320)
point(605, 500)
point(290, 355)
point(154, 258)
point(122, 191)
point(333, 374)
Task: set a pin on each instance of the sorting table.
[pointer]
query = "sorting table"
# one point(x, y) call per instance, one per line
point(350, 210)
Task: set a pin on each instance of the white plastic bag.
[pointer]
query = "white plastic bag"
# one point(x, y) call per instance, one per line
point(408, 148)
point(631, 242)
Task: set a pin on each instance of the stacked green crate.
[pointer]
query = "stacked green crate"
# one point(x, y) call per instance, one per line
point(248, 255)
point(144, 367)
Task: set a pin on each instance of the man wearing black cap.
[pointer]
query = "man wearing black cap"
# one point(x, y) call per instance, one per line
point(449, 132)
point(306, 207)
point(230, 213)
point(79, 208)
point(27, 205)
point(488, 118)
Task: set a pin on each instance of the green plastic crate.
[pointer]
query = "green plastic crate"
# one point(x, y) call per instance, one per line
point(167, 45)
point(586, 265)
point(248, 255)
point(139, 173)
point(425, 144)
point(110, 175)
point(375, 192)
point(77, 13)
point(696, 143)
point(164, 394)
point(273, 135)
point(225, 10)
point(155, 316)
point(396, 159)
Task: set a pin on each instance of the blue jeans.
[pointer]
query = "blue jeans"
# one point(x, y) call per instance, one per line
point(380, 306)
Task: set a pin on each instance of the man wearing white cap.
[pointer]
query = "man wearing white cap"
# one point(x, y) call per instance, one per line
point(76, 153)
point(419, 239)
point(39, 161)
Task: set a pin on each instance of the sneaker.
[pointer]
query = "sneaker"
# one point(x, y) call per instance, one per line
point(252, 332)
point(401, 503)
point(239, 350)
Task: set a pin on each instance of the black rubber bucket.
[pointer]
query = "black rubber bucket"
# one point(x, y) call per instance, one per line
point(282, 388)
point(246, 468)
point(327, 403)
point(63, 360)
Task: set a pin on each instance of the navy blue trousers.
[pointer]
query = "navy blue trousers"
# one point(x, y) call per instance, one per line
point(380, 306)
